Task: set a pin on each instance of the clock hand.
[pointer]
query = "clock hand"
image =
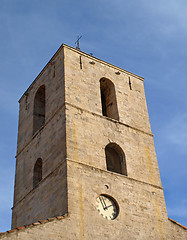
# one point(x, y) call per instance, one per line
point(104, 203)
point(108, 206)
point(101, 202)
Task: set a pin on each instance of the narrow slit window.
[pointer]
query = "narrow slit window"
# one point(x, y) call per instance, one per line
point(115, 159)
point(39, 109)
point(108, 99)
point(130, 84)
point(37, 175)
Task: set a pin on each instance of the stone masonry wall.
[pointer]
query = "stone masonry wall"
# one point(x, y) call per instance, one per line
point(52, 76)
point(88, 132)
point(84, 222)
point(49, 199)
point(72, 146)
point(140, 196)
point(82, 88)
point(142, 212)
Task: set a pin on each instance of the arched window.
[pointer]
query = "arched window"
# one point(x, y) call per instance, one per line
point(108, 99)
point(39, 109)
point(115, 159)
point(37, 175)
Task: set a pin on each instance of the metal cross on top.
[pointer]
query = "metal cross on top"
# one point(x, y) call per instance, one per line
point(77, 42)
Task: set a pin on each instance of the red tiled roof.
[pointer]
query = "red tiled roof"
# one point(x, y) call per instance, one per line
point(177, 223)
point(59, 218)
point(34, 224)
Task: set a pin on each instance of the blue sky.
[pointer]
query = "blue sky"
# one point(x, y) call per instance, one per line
point(146, 37)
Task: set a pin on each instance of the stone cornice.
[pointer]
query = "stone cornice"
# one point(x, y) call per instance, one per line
point(83, 54)
point(113, 173)
point(103, 62)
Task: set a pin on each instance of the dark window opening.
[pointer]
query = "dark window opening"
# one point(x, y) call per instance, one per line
point(37, 176)
point(39, 109)
point(115, 159)
point(103, 103)
point(108, 99)
point(130, 84)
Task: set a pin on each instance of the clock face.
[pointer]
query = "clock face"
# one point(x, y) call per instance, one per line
point(107, 207)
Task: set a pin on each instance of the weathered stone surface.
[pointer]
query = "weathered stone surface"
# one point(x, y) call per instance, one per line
point(72, 146)
point(49, 198)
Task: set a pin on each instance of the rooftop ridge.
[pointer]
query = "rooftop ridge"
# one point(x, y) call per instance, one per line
point(34, 224)
point(177, 223)
point(60, 218)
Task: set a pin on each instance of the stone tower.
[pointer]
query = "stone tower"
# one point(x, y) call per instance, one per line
point(85, 149)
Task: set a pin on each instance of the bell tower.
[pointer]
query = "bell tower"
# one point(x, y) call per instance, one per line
point(85, 149)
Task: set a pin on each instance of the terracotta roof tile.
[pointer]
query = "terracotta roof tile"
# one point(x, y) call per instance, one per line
point(18, 228)
point(34, 224)
point(2, 233)
point(60, 217)
point(30, 225)
point(177, 223)
point(13, 230)
point(50, 219)
point(43, 221)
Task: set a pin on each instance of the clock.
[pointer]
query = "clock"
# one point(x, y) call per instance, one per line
point(107, 207)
